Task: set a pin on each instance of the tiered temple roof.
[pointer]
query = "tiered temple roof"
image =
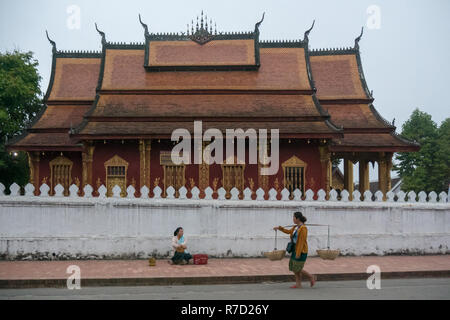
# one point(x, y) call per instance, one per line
point(342, 90)
point(146, 90)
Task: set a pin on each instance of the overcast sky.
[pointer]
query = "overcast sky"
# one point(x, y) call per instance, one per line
point(404, 50)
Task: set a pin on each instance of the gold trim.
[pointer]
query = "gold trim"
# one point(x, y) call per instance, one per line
point(179, 175)
point(325, 160)
point(148, 148)
point(294, 162)
point(33, 164)
point(60, 173)
point(87, 158)
point(263, 180)
point(203, 171)
point(119, 179)
point(142, 171)
point(228, 172)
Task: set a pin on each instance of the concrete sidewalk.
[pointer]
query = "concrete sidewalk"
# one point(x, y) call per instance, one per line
point(27, 274)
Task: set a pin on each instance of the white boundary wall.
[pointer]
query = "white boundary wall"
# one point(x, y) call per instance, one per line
point(132, 227)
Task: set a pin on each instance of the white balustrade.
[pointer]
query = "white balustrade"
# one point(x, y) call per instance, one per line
point(400, 197)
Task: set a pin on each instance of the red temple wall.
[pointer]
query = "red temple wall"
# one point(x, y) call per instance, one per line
point(309, 153)
point(129, 151)
point(44, 165)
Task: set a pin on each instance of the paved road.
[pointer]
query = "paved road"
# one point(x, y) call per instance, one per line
point(433, 288)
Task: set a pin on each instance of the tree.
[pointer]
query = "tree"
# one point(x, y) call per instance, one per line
point(443, 154)
point(20, 100)
point(428, 169)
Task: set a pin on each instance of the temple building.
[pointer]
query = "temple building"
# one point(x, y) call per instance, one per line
point(108, 116)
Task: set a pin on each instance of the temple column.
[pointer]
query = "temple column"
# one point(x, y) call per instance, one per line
point(263, 180)
point(388, 170)
point(148, 148)
point(33, 164)
point(363, 176)
point(87, 157)
point(142, 171)
point(203, 173)
point(325, 161)
point(384, 170)
point(348, 177)
point(144, 163)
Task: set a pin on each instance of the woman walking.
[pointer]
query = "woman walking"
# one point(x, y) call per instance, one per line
point(298, 234)
point(179, 244)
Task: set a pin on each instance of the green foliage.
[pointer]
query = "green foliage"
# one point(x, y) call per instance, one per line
point(443, 154)
point(20, 100)
point(336, 162)
point(429, 168)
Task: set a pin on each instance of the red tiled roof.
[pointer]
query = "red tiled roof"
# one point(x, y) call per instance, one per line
point(166, 127)
point(206, 105)
point(354, 116)
point(61, 116)
point(213, 53)
point(372, 141)
point(75, 79)
point(53, 140)
point(281, 69)
point(337, 77)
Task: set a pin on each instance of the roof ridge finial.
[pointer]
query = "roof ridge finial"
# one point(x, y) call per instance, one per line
point(101, 33)
point(146, 33)
point(305, 37)
point(259, 23)
point(359, 38)
point(53, 43)
point(201, 21)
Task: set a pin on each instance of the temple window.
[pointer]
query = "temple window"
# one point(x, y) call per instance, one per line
point(61, 173)
point(116, 174)
point(232, 176)
point(294, 174)
point(174, 175)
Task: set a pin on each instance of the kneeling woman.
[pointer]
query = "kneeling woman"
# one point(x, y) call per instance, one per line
point(181, 256)
point(299, 235)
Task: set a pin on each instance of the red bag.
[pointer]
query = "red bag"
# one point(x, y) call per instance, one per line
point(200, 258)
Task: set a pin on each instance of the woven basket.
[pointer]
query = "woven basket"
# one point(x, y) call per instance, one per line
point(275, 255)
point(328, 254)
point(152, 262)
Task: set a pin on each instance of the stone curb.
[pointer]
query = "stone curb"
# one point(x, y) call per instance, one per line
point(169, 281)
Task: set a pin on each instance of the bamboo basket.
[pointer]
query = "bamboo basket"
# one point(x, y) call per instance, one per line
point(275, 254)
point(328, 254)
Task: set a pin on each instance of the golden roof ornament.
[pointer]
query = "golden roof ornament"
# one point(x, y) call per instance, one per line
point(201, 35)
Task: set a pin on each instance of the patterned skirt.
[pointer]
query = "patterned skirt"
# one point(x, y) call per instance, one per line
point(296, 265)
point(178, 257)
